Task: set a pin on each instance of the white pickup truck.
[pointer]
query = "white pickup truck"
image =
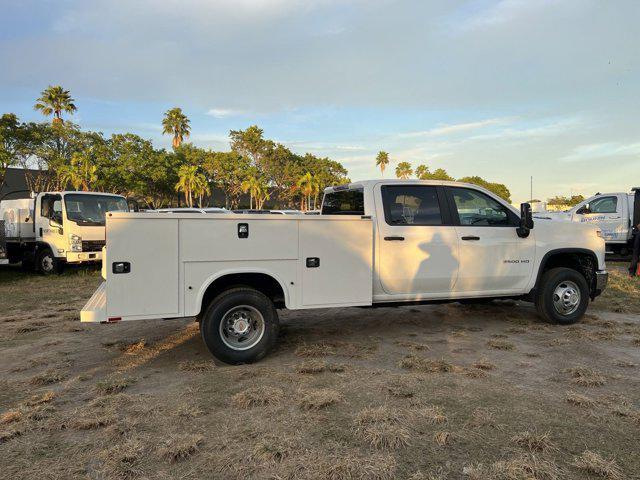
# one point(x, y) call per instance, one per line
point(615, 214)
point(376, 243)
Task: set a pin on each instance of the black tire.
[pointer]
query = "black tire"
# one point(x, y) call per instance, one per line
point(47, 263)
point(547, 299)
point(238, 301)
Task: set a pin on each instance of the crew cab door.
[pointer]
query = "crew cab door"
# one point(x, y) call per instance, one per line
point(493, 259)
point(48, 220)
point(417, 245)
point(606, 212)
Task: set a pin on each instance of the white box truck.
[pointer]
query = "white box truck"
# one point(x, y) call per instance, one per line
point(52, 229)
point(376, 243)
point(615, 214)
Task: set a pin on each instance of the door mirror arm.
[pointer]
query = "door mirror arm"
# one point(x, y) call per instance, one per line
point(526, 221)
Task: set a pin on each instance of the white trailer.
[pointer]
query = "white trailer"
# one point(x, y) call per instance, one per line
point(376, 243)
point(52, 229)
point(615, 214)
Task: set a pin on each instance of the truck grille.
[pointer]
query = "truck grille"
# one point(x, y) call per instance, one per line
point(92, 245)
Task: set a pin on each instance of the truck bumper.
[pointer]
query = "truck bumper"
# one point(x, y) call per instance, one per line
point(95, 310)
point(602, 277)
point(78, 257)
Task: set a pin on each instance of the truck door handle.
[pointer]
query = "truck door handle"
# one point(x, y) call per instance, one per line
point(471, 237)
point(391, 239)
point(614, 218)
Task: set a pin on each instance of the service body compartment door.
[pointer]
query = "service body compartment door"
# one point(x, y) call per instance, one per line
point(150, 245)
point(336, 261)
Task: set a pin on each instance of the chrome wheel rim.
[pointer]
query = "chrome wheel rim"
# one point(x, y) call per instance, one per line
point(242, 327)
point(566, 297)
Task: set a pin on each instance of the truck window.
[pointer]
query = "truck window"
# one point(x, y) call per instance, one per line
point(344, 202)
point(604, 205)
point(51, 207)
point(411, 205)
point(477, 209)
point(89, 209)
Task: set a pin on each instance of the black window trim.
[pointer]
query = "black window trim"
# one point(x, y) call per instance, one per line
point(514, 221)
point(445, 214)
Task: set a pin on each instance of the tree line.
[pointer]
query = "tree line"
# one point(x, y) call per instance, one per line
point(404, 170)
point(62, 155)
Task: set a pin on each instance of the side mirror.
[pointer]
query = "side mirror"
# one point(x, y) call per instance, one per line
point(526, 220)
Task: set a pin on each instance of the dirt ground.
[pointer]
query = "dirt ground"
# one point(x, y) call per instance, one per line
point(431, 392)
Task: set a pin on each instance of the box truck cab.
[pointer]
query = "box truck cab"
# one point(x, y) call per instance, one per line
point(613, 213)
point(55, 228)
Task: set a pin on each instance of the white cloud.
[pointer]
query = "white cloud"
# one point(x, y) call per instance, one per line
point(443, 130)
point(224, 112)
point(602, 150)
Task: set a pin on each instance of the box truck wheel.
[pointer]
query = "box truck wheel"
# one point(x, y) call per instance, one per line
point(563, 296)
point(47, 263)
point(240, 326)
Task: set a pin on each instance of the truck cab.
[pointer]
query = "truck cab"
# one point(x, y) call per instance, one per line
point(55, 228)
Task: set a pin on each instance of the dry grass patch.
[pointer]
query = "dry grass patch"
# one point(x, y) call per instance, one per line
point(481, 417)
point(350, 467)
point(593, 463)
point(422, 364)
point(432, 413)
point(124, 460)
point(534, 441)
point(49, 377)
point(625, 364)
point(484, 364)
point(134, 348)
point(93, 422)
point(382, 428)
point(318, 399)
point(9, 433)
point(401, 387)
point(336, 367)
point(41, 399)
point(443, 438)
point(257, 397)
point(412, 345)
point(580, 400)
point(526, 467)
point(311, 366)
point(586, 377)
point(198, 366)
point(113, 385)
point(11, 416)
point(272, 449)
point(315, 350)
point(382, 414)
point(501, 344)
point(180, 447)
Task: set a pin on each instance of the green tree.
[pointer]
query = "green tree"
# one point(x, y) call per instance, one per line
point(227, 170)
point(253, 186)
point(308, 186)
point(187, 179)
point(201, 187)
point(568, 201)
point(498, 188)
point(382, 160)
point(404, 170)
point(251, 144)
point(55, 100)
point(177, 124)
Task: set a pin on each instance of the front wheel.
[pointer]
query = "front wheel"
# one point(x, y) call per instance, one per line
point(240, 326)
point(563, 296)
point(47, 263)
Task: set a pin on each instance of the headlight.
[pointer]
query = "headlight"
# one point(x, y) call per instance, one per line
point(599, 233)
point(75, 242)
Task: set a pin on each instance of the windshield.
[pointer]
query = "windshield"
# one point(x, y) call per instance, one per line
point(91, 209)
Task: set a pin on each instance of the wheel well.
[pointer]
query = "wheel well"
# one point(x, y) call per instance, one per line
point(584, 262)
point(260, 281)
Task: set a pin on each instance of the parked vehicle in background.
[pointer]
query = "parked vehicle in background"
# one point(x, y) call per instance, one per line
point(191, 210)
point(52, 229)
point(287, 212)
point(312, 212)
point(615, 214)
point(252, 211)
point(376, 243)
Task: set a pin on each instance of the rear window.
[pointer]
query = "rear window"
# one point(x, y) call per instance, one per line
point(344, 202)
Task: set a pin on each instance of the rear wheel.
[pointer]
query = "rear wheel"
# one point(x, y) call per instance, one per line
point(563, 296)
point(240, 326)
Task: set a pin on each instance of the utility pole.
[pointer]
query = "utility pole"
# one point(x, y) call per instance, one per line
point(531, 189)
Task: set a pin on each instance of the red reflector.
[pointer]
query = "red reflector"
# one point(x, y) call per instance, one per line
point(114, 319)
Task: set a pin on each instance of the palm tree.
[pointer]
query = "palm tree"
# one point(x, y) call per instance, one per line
point(404, 170)
point(254, 187)
point(200, 187)
point(55, 100)
point(177, 124)
point(308, 185)
point(382, 160)
point(187, 175)
point(422, 172)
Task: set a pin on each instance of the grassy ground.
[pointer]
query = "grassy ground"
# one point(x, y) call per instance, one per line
point(433, 392)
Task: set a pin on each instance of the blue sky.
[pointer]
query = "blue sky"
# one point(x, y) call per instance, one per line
point(504, 89)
